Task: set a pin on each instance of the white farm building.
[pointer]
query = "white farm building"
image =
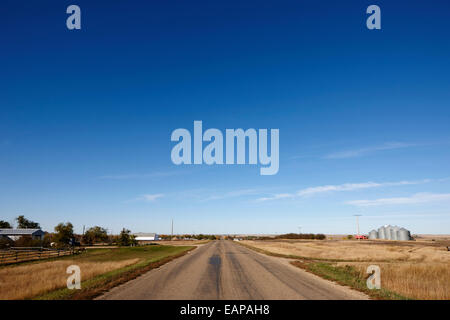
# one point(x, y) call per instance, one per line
point(141, 236)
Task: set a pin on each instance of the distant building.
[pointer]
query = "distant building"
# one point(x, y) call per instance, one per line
point(15, 234)
point(389, 232)
point(143, 237)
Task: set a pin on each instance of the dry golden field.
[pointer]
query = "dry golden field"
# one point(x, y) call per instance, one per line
point(412, 251)
point(26, 281)
point(428, 281)
point(414, 269)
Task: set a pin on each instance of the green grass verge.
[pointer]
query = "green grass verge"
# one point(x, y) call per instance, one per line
point(151, 257)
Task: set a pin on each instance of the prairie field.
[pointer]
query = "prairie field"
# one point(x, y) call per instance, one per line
point(413, 269)
point(26, 281)
point(367, 250)
point(30, 280)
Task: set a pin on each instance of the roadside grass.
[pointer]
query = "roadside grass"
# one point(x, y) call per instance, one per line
point(427, 281)
point(101, 270)
point(347, 276)
point(151, 257)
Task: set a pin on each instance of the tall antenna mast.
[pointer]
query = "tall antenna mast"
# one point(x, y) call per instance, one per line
point(357, 222)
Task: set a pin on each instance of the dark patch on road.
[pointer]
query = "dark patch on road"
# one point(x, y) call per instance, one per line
point(215, 260)
point(210, 283)
point(216, 263)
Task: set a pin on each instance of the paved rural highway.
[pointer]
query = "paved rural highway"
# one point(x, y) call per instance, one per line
point(226, 270)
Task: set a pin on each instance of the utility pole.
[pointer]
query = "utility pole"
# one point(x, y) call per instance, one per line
point(357, 222)
point(171, 238)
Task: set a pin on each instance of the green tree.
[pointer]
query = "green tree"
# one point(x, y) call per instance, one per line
point(4, 224)
point(95, 234)
point(24, 223)
point(126, 238)
point(64, 233)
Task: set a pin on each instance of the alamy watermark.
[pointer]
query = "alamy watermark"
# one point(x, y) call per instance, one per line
point(374, 280)
point(74, 280)
point(73, 22)
point(235, 140)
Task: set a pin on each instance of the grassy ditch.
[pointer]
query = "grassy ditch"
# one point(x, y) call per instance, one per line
point(347, 276)
point(101, 270)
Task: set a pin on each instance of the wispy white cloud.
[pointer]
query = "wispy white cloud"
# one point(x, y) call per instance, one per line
point(231, 194)
point(276, 197)
point(139, 175)
point(414, 199)
point(146, 197)
point(151, 197)
point(355, 186)
point(311, 191)
point(364, 151)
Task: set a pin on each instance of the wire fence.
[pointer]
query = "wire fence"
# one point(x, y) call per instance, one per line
point(17, 255)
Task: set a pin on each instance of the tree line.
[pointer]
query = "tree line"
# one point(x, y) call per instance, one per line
point(305, 236)
point(189, 237)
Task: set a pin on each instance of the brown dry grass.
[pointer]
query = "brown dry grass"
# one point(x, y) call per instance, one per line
point(426, 281)
point(416, 269)
point(26, 281)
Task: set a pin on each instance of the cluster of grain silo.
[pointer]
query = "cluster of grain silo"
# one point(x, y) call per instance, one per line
point(389, 232)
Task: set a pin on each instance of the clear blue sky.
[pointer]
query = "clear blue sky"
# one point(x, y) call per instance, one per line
point(86, 116)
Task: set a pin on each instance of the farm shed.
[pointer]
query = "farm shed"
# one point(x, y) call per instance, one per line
point(142, 237)
point(14, 234)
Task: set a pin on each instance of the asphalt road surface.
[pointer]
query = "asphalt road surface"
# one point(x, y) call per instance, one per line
point(226, 270)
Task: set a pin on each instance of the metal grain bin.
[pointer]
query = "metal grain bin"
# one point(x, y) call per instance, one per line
point(403, 234)
point(373, 234)
point(394, 232)
point(387, 230)
point(382, 232)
